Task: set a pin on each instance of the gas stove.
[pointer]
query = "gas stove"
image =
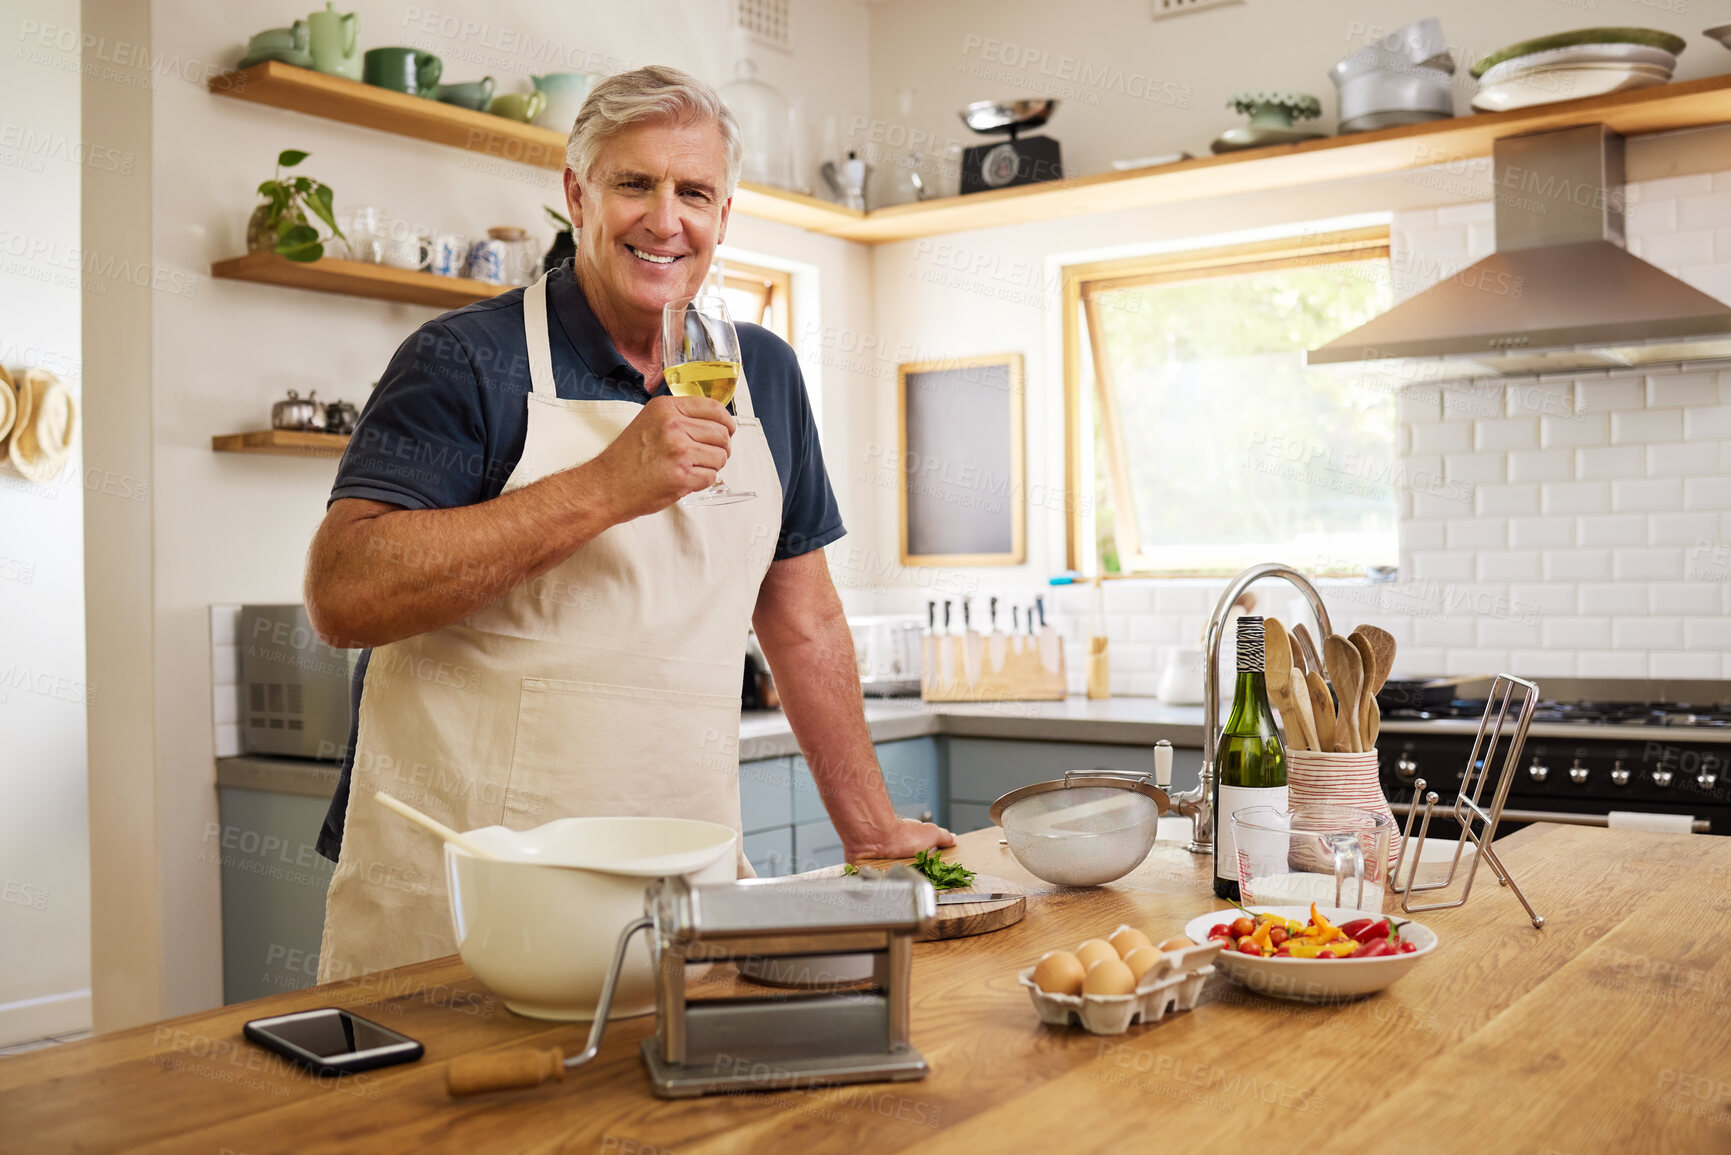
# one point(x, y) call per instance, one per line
point(1627, 749)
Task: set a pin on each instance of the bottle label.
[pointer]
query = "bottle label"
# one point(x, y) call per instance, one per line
point(1234, 798)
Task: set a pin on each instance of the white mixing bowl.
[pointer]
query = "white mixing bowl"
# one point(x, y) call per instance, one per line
point(539, 927)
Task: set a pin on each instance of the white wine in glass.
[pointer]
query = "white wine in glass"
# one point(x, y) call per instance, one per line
point(700, 355)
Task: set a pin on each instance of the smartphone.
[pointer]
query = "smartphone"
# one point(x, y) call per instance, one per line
point(330, 1040)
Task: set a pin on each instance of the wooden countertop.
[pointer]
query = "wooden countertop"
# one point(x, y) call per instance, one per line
point(1605, 1031)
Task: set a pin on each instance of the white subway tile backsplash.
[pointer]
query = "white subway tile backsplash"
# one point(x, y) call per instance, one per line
point(1611, 598)
point(1417, 535)
point(1569, 432)
point(1129, 597)
point(1610, 664)
point(1608, 461)
point(1576, 633)
point(1442, 438)
point(1647, 564)
point(1506, 433)
point(1682, 458)
point(1509, 565)
point(1713, 421)
point(1681, 528)
point(1707, 493)
point(1621, 529)
point(1672, 390)
point(1511, 500)
point(1704, 210)
point(1541, 532)
point(1528, 601)
point(1417, 404)
point(1583, 497)
point(1708, 634)
point(1647, 633)
point(1417, 661)
point(1647, 494)
point(1509, 632)
point(1604, 396)
point(1639, 426)
point(1676, 665)
point(1584, 565)
point(1477, 533)
point(1698, 598)
point(1541, 465)
point(1474, 661)
point(1445, 632)
point(1542, 664)
point(1540, 399)
point(1674, 250)
point(1475, 467)
point(1447, 566)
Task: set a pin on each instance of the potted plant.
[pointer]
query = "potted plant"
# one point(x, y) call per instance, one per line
point(280, 224)
point(564, 240)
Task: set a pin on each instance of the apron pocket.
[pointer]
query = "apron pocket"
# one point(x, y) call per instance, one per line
point(590, 749)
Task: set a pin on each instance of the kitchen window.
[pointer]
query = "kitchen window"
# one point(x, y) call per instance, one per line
point(1205, 441)
point(761, 296)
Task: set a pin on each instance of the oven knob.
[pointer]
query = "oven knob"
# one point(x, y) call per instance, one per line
point(1619, 775)
point(1661, 777)
point(1577, 773)
point(1706, 779)
point(1538, 770)
point(1406, 768)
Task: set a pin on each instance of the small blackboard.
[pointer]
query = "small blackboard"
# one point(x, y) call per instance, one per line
point(961, 465)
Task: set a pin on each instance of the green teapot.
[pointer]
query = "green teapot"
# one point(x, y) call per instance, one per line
point(336, 42)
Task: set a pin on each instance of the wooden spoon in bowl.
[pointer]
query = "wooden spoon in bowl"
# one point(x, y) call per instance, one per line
point(1348, 670)
point(1321, 710)
point(1277, 674)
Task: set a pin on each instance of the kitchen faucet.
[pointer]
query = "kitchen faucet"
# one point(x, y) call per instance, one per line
point(1198, 804)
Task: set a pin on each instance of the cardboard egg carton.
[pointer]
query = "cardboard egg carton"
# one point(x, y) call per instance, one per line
point(1172, 984)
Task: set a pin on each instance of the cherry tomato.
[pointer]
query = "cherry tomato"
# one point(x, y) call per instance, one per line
point(1242, 927)
point(1407, 948)
point(1219, 929)
point(1277, 935)
point(1247, 945)
point(1375, 948)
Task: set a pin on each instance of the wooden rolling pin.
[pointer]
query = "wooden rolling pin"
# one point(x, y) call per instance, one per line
point(478, 1074)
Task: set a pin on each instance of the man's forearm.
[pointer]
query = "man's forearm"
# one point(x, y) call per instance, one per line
point(386, 574)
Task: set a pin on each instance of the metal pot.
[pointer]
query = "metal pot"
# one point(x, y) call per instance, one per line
point(340, 417)
point(296, 413)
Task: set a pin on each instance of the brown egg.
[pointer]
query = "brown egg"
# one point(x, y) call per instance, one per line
point(1176, 942)
point(1109, 976)
point(1126, 939)
point(1094, 950)
point(1140, 959)
point(1059, 973)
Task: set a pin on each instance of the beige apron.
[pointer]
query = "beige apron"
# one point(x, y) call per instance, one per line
point(609, 685)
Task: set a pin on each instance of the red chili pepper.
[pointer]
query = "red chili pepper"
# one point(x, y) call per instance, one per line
point(1378, 929)
point(1375, 948)
point(1408, 947)
point(1352, 928)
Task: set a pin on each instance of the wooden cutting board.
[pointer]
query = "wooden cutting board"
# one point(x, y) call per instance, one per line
point(959, 920)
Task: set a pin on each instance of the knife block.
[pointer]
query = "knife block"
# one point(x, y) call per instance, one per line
point(995, 668)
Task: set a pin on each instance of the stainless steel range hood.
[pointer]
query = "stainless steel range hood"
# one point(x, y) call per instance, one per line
point(1559, 295)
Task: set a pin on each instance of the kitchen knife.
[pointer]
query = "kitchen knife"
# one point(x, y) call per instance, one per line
point(962, 899)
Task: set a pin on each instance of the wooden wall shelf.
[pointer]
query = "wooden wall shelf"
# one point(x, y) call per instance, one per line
point(1691, 104)
point(282, 443)
point(357, 279)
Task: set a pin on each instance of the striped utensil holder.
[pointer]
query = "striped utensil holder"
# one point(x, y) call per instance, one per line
point(1315, 777)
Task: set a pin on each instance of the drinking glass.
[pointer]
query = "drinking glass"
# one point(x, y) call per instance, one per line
point(700, 355)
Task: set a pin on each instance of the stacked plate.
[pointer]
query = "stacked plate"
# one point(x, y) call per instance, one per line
point(1407, 77)
point(1573, 65)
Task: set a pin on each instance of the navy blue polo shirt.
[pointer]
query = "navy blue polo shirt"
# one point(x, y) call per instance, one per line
point(446, 424)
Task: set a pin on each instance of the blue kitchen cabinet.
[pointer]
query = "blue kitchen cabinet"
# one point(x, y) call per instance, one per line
point(981, 770)
point(273, 890)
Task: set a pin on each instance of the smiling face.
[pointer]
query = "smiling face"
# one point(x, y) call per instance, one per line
point(650, 212)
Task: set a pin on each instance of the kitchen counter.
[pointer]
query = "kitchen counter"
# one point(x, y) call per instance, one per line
point(1602, 1032)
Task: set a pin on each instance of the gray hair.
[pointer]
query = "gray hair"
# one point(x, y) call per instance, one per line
point(654, 92)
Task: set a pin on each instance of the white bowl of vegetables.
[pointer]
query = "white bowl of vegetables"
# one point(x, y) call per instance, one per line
point(1313, 954)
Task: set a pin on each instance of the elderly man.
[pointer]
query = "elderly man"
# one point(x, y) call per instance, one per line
point(551, 634)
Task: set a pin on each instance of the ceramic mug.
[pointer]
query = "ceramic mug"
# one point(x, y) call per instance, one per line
point(487, 262)
point(565, 92)
point(411, 253)
point(406, 70)
point(336, 41)
point(523, 106)
point(471, 94)
point(450, 251)
point(292, 39)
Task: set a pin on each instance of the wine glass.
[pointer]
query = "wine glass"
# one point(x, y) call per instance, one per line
point(700, 352)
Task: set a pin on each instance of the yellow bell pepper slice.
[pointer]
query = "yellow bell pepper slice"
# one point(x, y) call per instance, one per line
point(1322, 924)
point(1302, 949)
point(1260, 938)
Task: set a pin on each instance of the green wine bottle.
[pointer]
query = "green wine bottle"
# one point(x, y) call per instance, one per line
point(1249, 763)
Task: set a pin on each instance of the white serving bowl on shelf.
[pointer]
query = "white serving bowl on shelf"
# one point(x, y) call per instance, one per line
point(1314, 980)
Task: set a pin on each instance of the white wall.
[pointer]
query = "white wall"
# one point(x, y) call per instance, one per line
point(44, 871)
point(224, 528)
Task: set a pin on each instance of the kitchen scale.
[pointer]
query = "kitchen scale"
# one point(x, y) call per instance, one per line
point(1017, 161)
point(758, 1040)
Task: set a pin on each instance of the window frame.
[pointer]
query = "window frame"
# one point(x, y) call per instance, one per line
point(1082, 285)
point(775, 287)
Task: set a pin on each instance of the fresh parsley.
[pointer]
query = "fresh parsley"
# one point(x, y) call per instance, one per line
point(942, 875)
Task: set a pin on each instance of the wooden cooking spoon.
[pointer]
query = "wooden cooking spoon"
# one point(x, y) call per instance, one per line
point(1367, 694)
point(1301, 699)
point(1348, 669)
point(1277, 674)
point(1312, 659)
point(1382, 646)
point(1321, 710)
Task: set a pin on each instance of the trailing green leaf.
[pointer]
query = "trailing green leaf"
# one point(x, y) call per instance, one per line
point(289, 157)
